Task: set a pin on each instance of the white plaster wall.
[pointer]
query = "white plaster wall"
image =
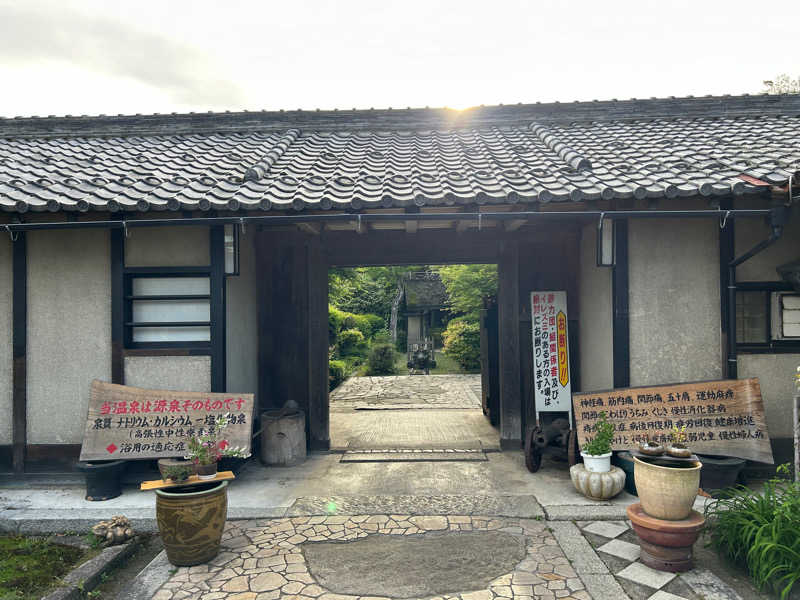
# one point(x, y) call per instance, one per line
point(674, 301)
point(596, 317)
point(6, 354)
point(776, 374)
point(69, 330)
point(167, 247)
point(750, 232)
point(242, 322)
point(176, 373)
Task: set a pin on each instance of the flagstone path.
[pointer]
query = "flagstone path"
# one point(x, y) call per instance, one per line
point(408, 391)
point(267, 560)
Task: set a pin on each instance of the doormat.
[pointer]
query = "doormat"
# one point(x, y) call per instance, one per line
point(414, 455)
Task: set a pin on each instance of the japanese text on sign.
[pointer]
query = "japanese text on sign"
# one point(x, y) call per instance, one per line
point(551, 374)
point(128, 423)
point(720, 417)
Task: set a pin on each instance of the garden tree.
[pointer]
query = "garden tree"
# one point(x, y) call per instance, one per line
point(782, 84)
point(366, 289)
point(466, 287)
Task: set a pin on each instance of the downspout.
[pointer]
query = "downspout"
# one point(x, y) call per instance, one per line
point(777, 219)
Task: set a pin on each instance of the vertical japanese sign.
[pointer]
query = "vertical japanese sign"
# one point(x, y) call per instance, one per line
point(551, 375)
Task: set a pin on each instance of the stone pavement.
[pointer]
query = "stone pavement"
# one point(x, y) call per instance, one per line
point(408, 391)
point(266, 560)
point(437, 557)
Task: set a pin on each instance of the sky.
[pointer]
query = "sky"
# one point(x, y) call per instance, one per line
point(141, 56)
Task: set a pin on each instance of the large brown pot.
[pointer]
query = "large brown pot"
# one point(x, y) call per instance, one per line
point(191, 520)
point(667, 492)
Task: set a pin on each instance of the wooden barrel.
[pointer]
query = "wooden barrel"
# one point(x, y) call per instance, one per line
point(283, 438)
point(191, 520)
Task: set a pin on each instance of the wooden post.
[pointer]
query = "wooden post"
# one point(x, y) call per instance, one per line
point(117, 305)
point(318, 402)
point(217, 245)
point(19, 344)
point(621, 324)
point(509, 357)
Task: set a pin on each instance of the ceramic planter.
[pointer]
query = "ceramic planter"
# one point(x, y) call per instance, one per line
point(666, 545)
point(597, 486)
point(207, 472)
point(597, 463)
point(103, 478)
point(191, 520)
point(667, 492)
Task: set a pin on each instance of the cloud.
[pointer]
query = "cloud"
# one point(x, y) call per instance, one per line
point(32, 33)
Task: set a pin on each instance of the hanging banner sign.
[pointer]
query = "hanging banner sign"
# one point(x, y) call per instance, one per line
point(126, 423)
point(551, 374)
point(721, 417)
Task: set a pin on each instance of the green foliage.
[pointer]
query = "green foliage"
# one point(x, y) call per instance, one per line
point(760, 530)
point(352, 342)
point(381, 360)
point(28, 566)
point(335, 321)
point(337, 373)
point(466, 287)
point(177, 472)
point(601, 442)
point(462, 342)
point(366, 290)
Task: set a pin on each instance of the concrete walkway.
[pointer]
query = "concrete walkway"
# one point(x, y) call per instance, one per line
point(410, 412)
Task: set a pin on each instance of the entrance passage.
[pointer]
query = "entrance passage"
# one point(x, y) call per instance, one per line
point(434, 412)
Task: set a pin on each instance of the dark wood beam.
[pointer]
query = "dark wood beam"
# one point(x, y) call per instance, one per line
point(620, 299)
point(217, 280)
point(117, 247)
point(19, 343)
point(318, 401)
point(509, 349)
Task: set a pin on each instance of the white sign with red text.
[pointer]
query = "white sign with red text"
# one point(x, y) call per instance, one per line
point(551, 374)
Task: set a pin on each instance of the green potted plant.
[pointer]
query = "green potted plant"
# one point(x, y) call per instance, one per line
point(678, 443)
point(596, 452)
point(207, 448)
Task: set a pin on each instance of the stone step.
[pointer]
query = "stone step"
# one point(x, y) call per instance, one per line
point(414, 455)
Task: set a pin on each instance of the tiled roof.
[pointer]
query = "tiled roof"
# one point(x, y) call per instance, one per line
point(358, 159)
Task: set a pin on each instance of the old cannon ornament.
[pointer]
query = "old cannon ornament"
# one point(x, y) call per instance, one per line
point(421, 358)
point(556, 438)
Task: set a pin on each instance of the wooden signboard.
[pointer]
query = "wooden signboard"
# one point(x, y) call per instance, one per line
point(551, 375)
point(721, 417)
point(129, 423)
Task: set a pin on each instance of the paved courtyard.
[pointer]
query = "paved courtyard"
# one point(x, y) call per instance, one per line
point(410, 412)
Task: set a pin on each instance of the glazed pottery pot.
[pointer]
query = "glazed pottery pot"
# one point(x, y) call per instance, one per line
point(667, 492)
point(666, 545)
point(597, 486)
point(656, 450)
point(103, 478)
point(191, 520)
point(624, 460)
point(679, 452)
point(597, 463)
point(719, 472)
point(207, 471)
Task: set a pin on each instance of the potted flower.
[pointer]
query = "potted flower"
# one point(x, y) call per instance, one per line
point(596, 478)
point(596, 452)
point(207, 448)
point(677, 447)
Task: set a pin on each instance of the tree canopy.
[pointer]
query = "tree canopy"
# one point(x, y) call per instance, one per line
point(782, 84)
point(466, 287)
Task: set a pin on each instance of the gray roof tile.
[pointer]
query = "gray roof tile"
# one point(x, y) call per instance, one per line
point(361, 159)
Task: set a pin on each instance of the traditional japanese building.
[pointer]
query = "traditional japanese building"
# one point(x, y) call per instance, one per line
point(192, 251)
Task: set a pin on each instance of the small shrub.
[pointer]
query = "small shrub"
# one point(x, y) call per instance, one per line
point(381, 360)
point(382, 337)
point(337, 373)
point(335, 321)
point(462, 342)
point(601, 442)
point(760, 530)
point(352, 342)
